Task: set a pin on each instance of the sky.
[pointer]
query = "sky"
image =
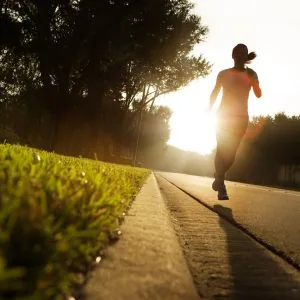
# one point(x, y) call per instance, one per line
point(271, 28)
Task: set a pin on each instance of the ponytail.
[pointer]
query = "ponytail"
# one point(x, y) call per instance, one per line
point(251, 56)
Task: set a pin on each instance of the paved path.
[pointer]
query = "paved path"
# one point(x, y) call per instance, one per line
point(224, 261)
point(271, 215)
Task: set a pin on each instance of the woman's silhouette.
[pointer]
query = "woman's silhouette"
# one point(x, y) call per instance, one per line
point(232, 114)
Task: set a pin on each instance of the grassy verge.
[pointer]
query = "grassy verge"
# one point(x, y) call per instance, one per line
point(56, 214)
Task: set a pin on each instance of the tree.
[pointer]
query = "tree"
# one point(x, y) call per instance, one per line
point(269, 144)
point(97, 58)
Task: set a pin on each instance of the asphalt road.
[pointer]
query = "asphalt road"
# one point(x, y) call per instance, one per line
point(271, 215)
point(243, 248)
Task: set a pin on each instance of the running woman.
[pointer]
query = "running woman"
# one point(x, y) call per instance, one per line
point(232, 114)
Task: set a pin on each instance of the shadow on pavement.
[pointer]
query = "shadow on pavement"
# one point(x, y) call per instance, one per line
point(256, 272)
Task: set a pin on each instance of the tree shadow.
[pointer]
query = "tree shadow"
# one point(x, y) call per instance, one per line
point(256, 272)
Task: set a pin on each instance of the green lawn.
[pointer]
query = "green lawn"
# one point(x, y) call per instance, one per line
point(56, 214)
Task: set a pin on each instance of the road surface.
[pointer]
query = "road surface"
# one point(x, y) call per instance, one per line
point(245, 248)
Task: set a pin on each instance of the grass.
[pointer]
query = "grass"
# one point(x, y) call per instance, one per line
point(56, 214)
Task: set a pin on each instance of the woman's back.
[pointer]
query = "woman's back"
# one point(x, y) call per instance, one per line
point(236, 85)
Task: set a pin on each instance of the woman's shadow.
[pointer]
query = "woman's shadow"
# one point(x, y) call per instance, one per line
point(256, 272)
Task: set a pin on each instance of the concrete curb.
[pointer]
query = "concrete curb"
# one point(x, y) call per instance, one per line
point(147, 262)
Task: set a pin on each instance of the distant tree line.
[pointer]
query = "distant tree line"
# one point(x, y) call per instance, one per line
point(269, 154)
point(77, 76)
point(271, 145)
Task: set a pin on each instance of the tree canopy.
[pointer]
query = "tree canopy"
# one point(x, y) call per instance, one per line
point(98, 59)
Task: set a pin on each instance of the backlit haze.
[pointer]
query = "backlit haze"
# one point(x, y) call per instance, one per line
point(271, 28)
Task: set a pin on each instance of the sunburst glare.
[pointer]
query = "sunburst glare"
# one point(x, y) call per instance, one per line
point(193, 131)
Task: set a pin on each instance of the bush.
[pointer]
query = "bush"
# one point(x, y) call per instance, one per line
point(7, 135)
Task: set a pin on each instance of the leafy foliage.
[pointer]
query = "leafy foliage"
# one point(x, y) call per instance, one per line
point(94, 58)
point(268, 144)
point(7, 135)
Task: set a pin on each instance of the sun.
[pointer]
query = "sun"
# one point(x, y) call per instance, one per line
point(193, 131)
point(192, 125)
